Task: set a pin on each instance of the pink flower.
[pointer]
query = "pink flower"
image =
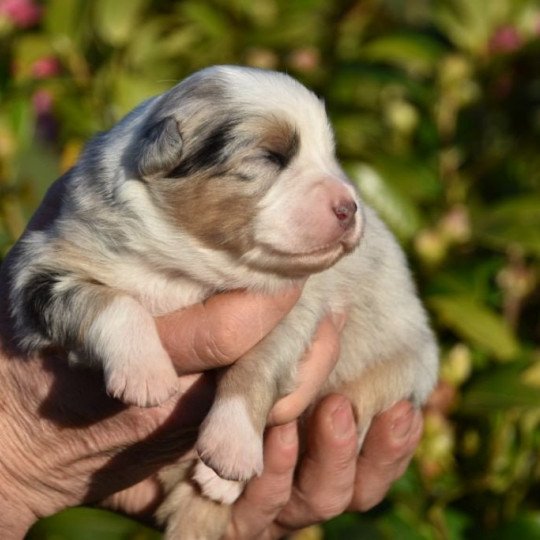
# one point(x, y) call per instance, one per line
point(505, 39)
point(42, 100)
point(22, 13)
point(45, 67)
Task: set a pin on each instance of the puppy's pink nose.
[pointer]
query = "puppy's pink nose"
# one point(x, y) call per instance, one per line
point(345, 211)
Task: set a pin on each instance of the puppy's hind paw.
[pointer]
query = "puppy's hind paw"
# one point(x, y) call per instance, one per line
point(228, 441)
point(214, 487)
point(190, 516)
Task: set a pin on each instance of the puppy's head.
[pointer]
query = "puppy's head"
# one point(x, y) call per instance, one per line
point(243, 160)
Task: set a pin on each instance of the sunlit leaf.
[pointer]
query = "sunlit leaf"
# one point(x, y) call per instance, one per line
point(130, 91)
point(397, 210)
point(470, 24)
point(206, 17)
point(415, 51)
point(29, 49)
point(20, 117)
point(412, 177)
point(63, 18)
point(117, 20)
point(476, 323)
point(314, 532)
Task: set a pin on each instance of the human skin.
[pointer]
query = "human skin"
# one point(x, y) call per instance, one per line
point(65, 442)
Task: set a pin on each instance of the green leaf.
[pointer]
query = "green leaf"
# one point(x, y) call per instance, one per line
point(476, 323)
point(207, 18)
point(394, 207)
point(418, 52)
point(470, 24)
point(352, 526)
point(63, 18)
point(525, 526)
point(20, 118)
point(513, 222)
point(412, 177)
point(28, 49)
point(131, 90)
point(90, 524)
point(116, 21)
point(502, 388)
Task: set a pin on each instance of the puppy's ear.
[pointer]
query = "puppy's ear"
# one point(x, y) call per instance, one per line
point(161, 148)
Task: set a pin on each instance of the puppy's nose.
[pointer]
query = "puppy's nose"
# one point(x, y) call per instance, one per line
point(345, 211)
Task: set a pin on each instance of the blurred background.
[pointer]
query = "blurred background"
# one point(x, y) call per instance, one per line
point(436, 107)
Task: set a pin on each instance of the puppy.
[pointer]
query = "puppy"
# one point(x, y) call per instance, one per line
point(227, 181)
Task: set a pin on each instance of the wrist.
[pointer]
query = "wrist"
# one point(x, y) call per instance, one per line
point(23, 496)
point(16, 513)
point(15, 517)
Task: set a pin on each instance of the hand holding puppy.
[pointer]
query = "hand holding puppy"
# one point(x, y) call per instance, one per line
point(175, 204)
point(66, 443)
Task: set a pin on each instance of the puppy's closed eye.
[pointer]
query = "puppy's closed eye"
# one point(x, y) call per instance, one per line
point(275, 158)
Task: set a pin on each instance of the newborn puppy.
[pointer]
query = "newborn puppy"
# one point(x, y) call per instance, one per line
point(227, 181)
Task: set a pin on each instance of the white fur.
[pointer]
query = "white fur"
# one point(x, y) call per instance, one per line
point(230, 422)
point(137, 369)
point(214, 487)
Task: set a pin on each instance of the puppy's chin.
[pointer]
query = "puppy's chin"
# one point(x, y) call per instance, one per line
point(272, 260)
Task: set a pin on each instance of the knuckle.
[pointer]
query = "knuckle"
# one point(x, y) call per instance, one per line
point(218, 346)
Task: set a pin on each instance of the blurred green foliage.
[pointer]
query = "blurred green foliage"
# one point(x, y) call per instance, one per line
point(436, 107)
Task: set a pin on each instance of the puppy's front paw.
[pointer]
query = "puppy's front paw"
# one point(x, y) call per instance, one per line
point(145, 383)
point(228, 441)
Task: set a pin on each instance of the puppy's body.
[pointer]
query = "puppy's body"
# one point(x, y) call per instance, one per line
point(227, 181)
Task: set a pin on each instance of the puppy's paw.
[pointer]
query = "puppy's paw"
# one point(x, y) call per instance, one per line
point(214, 487)
point(145, 384)
point(138, 370)
point(228, 441)
point(190, 516)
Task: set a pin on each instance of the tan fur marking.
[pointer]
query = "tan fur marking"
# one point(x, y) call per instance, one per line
point(216, 206)
point(379, 387)
point(210, 210)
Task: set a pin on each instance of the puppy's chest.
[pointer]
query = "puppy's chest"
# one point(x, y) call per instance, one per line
point(158, 293)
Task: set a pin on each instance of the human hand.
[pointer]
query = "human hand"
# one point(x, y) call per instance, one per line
point(65, 442)
point(330, 477)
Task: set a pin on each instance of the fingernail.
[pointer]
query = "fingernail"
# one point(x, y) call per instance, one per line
point(288, 434)
point(402, 425)
point(342, 420)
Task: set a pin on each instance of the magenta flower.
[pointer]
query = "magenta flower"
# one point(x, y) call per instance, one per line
point(45, 67)
point(42, 100)
point(21, 13)
point(505, 39)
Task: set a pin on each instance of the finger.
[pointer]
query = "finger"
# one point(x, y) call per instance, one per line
point(325, 480)
point(217, 332)
point(315, 368)
point(386, 453)
point(265, 496)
